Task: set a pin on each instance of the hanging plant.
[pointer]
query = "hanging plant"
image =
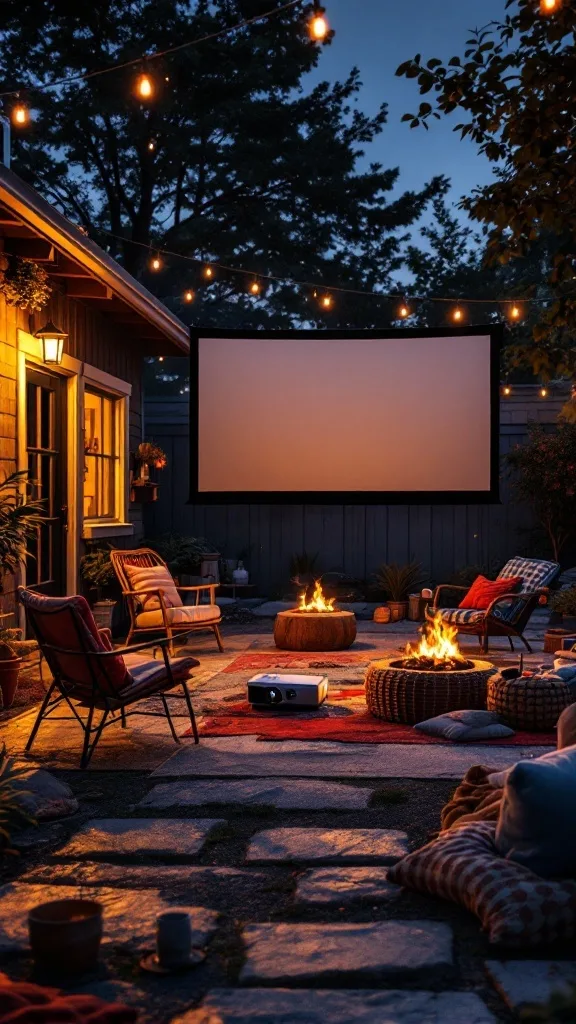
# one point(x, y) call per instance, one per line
point(23, 283)
point(150, 454)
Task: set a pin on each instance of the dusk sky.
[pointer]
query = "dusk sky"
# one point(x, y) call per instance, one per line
point(377, 35)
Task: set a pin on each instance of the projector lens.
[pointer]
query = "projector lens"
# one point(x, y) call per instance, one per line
point(274, 696)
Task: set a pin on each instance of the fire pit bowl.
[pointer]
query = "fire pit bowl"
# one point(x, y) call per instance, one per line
point(408, 695)
point(314, 631)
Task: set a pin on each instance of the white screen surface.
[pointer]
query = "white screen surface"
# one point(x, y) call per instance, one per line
point(332, 415)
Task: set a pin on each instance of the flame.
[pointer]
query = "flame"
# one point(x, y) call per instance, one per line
point(318, 602)
point(438, 642)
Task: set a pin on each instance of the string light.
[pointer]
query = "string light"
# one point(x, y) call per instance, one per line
point(144, 87)
point(20, 115)
point(543, 392)
point(506, 390)
point(326, 302)
point(515, 312)
point(152, 145)
point(318, 28)
point(457, 314)
point(255, 288)
point(404, 310)
point(188, 295)
point(160, 359)
point(208, 272)
point(549, 6)
point(156, 262)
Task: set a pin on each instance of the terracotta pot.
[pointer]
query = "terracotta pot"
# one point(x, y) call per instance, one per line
point(65, 935)
point(398, 610)
point(382, 614)
point(9, 671)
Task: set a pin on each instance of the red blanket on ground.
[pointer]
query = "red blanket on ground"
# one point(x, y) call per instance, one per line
point(21, 1002)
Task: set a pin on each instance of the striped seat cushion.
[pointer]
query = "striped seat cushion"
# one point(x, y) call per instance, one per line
point(462, 616)
point(535, 572)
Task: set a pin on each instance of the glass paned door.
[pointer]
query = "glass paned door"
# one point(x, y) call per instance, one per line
point(46, 448)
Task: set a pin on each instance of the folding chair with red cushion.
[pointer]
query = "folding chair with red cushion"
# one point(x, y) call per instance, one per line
point(89, 673)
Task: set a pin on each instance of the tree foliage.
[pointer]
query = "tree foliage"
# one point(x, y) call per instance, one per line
point(544, 476)
point(249, 166)
point(516, 90)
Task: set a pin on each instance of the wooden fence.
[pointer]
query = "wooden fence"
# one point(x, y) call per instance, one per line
point(352, 538)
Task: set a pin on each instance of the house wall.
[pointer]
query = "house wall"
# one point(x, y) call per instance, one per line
point(93, 340)
point(352, 538)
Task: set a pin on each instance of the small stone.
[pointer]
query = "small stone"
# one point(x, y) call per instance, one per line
point(135, 876)
point(332, 885)
point(338, 845)
point(284, 794)
point(44, 797)
point(137, 837)
point(272, 1006)
point(129, 918)
point(310, 952)
point(531, 981)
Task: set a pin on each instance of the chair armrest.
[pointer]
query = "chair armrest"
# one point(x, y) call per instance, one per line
point(445, 586)
point(132, 649)
point(200, 586)
point(524, 597)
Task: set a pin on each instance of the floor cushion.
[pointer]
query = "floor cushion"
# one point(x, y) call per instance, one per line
point(537, 823)
point(153, 577)
point(484, 591)
point(515, 906)
point(474, 799)
point(465, 726)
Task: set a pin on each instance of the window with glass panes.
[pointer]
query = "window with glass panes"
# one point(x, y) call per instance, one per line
point(100, 455)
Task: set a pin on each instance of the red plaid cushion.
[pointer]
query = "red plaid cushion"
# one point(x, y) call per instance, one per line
point(515, 906)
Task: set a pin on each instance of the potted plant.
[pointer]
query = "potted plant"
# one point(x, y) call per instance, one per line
point(564, 603)
point(183, 555)
point(147, 455)
point(96, 569)
point(399, 581)
point(13, 650)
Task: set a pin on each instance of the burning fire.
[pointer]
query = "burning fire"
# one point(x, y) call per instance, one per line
point(438, 644)
point(318, 602)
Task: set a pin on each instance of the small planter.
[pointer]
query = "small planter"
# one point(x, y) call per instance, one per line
point(103, 612)
point(65, 935)
point(9, 672)
point(382, 614)
point(143, 491)
point(398, 610)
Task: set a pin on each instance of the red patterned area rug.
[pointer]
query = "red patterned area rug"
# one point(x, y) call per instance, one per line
point(343, 717)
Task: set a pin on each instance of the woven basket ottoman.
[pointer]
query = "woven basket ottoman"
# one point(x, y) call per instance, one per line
point(408, 696)
point(528, 702)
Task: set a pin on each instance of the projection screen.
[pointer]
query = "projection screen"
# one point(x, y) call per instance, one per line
point(398, 416)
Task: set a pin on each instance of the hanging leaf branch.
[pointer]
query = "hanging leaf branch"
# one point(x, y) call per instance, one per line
point(23, 283)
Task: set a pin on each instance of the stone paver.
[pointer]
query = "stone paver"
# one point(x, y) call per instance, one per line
point(328, 845)
point(345, 885)
point(280, 1006)
point(530, 981)
point(129, 918)
point(136, 837)
point(135, 876)
point(246, 756)
point(311, 952)
point(284, 794)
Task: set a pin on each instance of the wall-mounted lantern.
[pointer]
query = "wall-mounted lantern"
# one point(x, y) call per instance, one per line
point(52, 343)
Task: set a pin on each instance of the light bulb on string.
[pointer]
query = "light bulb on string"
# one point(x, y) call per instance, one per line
point(549, 6)
point(156, 263)
point(144, 86)
point(160, 359)
point(514, 312)
point(326, 301)
point(208, 272)
point(152, 145)
point(188, 295)
point(506, 390)
point(255, 288)
point(457, 314)
point(318, 26)
point(20, 115)
point(403, 310)
point(543, 392)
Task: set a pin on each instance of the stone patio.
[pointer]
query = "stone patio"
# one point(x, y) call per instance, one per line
point(279, 853)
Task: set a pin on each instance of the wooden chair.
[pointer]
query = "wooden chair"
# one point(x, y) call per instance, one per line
point(509, 614)
point(154, 601)
point(88, 673)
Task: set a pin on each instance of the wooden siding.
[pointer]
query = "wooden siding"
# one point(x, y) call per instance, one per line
point(351, 538)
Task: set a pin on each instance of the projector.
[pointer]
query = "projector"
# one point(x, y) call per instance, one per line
point(269, 690)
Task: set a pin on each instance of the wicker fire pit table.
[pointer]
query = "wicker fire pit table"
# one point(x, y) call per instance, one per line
point(295, 630)
point(399, 694)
